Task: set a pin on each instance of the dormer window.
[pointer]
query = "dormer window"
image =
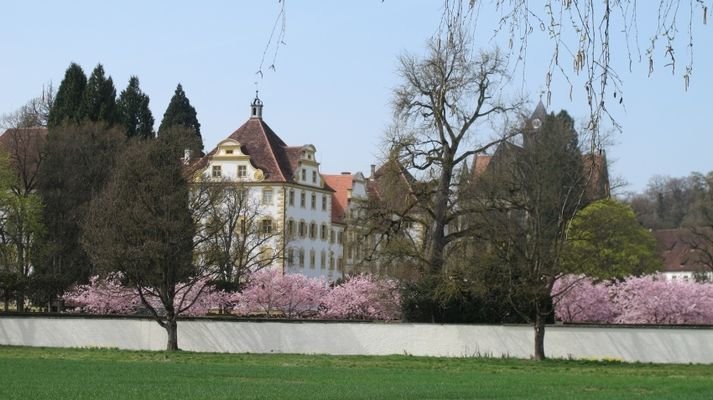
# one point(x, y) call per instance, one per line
point(304, 175)
point(229, 151)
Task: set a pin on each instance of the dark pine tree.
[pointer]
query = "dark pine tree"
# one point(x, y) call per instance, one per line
point(67, 103)
point(180, 113)
point(134, 112)
point(99, 102)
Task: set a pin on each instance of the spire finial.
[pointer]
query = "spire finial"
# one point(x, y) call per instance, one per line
point(256, 107)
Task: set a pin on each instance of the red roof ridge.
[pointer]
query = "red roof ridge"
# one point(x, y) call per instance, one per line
point(261, 123)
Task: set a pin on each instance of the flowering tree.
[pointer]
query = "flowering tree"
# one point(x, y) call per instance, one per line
point(654, 300)
point(583, 300)
point(363, 297)
point(109, 296)
point(637, 300)
point(271, 293)
point(103, 296)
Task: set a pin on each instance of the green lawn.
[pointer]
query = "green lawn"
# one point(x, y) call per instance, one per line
point(35, 373)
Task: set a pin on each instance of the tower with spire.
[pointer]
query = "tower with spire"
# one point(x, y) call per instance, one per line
point(256, 107)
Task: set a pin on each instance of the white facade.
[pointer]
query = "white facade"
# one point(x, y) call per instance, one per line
point(291, 192)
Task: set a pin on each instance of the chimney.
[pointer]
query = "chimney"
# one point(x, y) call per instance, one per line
point(186, 156)
point(373, 170)
point(346, 173)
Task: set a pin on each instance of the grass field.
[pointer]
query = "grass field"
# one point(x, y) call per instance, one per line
point(36, 373)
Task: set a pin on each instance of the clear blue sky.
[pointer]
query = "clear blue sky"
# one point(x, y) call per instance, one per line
point(333, 79)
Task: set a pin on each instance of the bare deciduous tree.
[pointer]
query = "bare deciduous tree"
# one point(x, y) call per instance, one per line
point(443, 99)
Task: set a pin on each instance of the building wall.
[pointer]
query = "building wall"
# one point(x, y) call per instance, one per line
point(657, 345)
point(229, 158)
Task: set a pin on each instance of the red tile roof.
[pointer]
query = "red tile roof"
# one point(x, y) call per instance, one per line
point(266, 150)
point(342, 185)
point(677, 250)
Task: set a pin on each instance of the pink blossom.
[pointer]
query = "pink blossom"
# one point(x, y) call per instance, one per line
point(103, 296)
point(579, 299)
point(109, 296)
point(270, 293)
point(363, 297)
point(637, 300)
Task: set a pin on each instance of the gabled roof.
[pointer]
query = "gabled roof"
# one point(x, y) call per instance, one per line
point(266, 150)
point(342, 185)
point(677, 250)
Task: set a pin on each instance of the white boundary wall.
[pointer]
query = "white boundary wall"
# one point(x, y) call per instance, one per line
point(658, 345)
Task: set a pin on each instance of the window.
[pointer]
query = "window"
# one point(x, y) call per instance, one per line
point(313, 231)
point(304, 175)
point(267, 197)
point(291, 198)
point(303, 196)
point(314, 201)
point(322, 260)
point(266, 227)
point(323, 232)
point(230, 151)
point(331, 260)
point(242, 171)
point(324, 202)
point(303, 229)
point(340, 265)
point(302, 257)
point(350, 252)
point(217, 171)
point(340, 237)
point(290, 228)
point(311, 259)
point(331, 236)
point(290, 256)
point(314, 176)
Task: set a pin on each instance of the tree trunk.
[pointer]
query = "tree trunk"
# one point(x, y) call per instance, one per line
point(539, 337)
point(440, 216)
point(7, 302)
point(172, 332)
point(20, 301)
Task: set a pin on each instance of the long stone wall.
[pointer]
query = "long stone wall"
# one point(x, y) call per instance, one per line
point(657, 345)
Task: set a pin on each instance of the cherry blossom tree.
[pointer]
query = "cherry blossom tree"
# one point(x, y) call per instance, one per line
point(103, 296)
point(582, 300)
point(270, 293)
point(654, 300)
point(109, 296)
point(363, 297)
point(648, 299)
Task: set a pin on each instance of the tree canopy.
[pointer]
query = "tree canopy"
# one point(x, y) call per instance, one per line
point(99, 98)
point(605, 240)
point(134, 113)
point(180, 113)
point(70, 95)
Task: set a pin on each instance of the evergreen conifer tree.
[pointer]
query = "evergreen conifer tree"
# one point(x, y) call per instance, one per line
point(180, 113)
point(134, 112)
point(99, 102)
point(67, 103)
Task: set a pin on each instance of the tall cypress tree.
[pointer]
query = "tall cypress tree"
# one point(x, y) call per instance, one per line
point(180, 113)
point(99, 102)
point(134, 112)
point(67, 103)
